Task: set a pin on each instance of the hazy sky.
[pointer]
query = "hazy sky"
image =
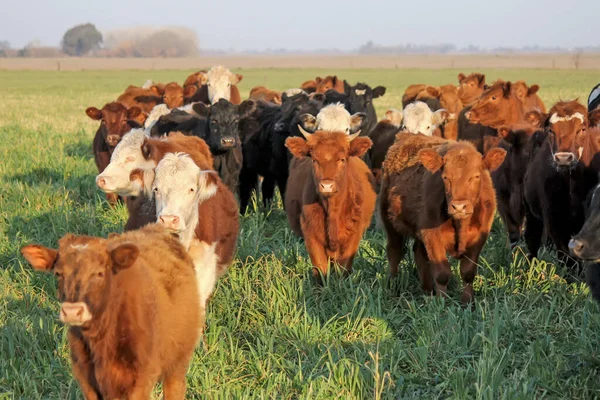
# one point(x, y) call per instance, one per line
point(317, 24)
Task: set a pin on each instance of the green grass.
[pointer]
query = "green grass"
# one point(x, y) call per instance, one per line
point(271, 332)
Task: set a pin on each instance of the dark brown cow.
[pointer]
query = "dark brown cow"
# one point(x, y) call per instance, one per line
point(329, 198)
point(528, 95)
point(115, 121)
point(131, 303)
point(557, 181)
point(173, 95)
point(383, 136)
point(439, 193)
point(264, 94)
point(470, 87)
point(135, 96)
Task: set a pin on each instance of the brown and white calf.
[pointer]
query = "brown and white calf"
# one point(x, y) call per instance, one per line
point(131, 304)
point(221, 85)
point(333, 118)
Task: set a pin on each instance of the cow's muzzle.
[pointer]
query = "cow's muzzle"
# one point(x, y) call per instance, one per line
point(227, 142)
point(565, 159)
point(327, 187)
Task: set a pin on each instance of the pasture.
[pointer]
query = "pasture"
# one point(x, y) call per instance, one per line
point(271, 332)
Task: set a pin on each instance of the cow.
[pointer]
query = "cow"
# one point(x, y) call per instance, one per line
point(585, 245)
point(330, 197)
point(383, 136)
point(131, 304)
point(193, 204)
point(360, 100)
point(557, 180)
point(424, 93)
point(417, 117)
point(290, 106)
point(411, 93)
point(440, 194)
point(264, 94)
point(333, 118)
point(115, 121)
point(329, 82)
point(145, 99)
point(508, 177)
point(138, 152)
point(529, 97)
point(173, 95)
point(221, 84)
point(470, 87)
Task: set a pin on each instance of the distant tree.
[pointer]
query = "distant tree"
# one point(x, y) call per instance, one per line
point(81, 39)
point(4, 45)
point(577, 58)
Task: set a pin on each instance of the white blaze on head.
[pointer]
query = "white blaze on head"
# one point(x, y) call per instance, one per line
point(126, 158)
point(418, 118)
point(219, 81)
point(555, 118)
point(293, 92)
point(158, 111)
point(179, 187)
point(333, 118)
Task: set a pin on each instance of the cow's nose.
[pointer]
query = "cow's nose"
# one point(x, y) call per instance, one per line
point(468, 114)
point(279, 127)
point(170, 221)
point(459, 207)
point(327, 186)
point(576, 247)
point(101, 182)
point(113, 140)
point(72, 313)
point(227, 142)
point(564, 158)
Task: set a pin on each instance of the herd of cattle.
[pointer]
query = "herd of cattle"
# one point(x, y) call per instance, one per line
point(436, 170)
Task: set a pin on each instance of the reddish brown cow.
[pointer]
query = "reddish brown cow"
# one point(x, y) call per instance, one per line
point(135, 96)
point(115, 121)
point(439, 193)
point(528, 95)
point(411, 93)
point(173, 95)
point(330, 197)
point(310, 86)
point(131, 303)
point(196, 79)
point(470, 87)
point(330, 82)
point(264, 94)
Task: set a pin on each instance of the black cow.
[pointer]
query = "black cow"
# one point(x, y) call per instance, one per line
point(474, 133)
point(360, 99)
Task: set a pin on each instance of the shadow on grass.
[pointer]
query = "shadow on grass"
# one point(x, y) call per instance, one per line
point(81, 149)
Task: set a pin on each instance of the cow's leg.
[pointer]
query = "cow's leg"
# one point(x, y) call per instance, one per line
point(248, 184)
point(534, 228)
point(513, 228)
point(282, 184)
point(441, 276)
point(268, 189)
point(83, 367)
point(468, 270)
point(318, 257)
point(423, 266)
point(174, 385)
point(395, 248)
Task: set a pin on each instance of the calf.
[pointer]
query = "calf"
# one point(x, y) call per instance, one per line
point(330, 197)
point(470, 87)
point(440, 194)
point(221, 84)
point(115, 121)
point(131, 303)
point(360, 100)
point(173, 95)
point(557, 180)
point(195, 205)
point(333, 118)
point(586, 244)
point(329, 82)
point(264, 94)
point(417, 117)
point(135, 96)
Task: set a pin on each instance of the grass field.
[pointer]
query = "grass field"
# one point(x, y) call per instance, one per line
point(271, 332)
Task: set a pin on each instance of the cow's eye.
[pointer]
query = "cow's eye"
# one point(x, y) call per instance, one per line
point(342, 160)
point(100, 274)
point(493, 97)
point(192, 190)
point(58, 274)
point(155, 190)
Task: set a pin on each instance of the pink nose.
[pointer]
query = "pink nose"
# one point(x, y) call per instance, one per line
point(72, 313)
point(564, 158)
point(170, 221)
point(101, 182)
point(327, 186)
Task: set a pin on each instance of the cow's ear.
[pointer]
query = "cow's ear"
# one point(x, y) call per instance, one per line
point(359, 146)
point(432, 91)
point(146, 149)
point(246, 108)
point(234, 79)
point(157, 90)
point(309, 122)
point(594, 117)
point(494, 158)
point(334, 80)
point(378, 91)
point(481, 79)
point(39, 257)
point(504, 131)
point(536, 118)
point(297, 146)
point(189, 91)
point(533, 89)
point(356, 121)
point(347, 87)
point(208, 182)
point(94, 113)
point(430, 159)
point(201, 109)
point(461, 77)
point(394, 116)
point(439, 117)
point(318, 79)
point(134, 112)
point(142, 180)
point(124, 256)
point(202, 78)
point(506, 87)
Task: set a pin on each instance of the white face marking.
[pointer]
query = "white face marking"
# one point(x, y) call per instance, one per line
point(555, 118)
point(360, 92)
point(220, 80)
point(79, 246)
point(126, 158)
point(335, 118)
point(179, 187)
point(293, 92)
point(418, 118)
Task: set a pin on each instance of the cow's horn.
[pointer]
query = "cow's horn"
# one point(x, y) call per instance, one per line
point(353, 136)
point(303, 132)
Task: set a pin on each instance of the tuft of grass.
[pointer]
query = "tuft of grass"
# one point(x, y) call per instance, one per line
point(271, 332)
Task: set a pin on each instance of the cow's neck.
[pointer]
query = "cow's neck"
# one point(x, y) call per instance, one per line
point(188, 234)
